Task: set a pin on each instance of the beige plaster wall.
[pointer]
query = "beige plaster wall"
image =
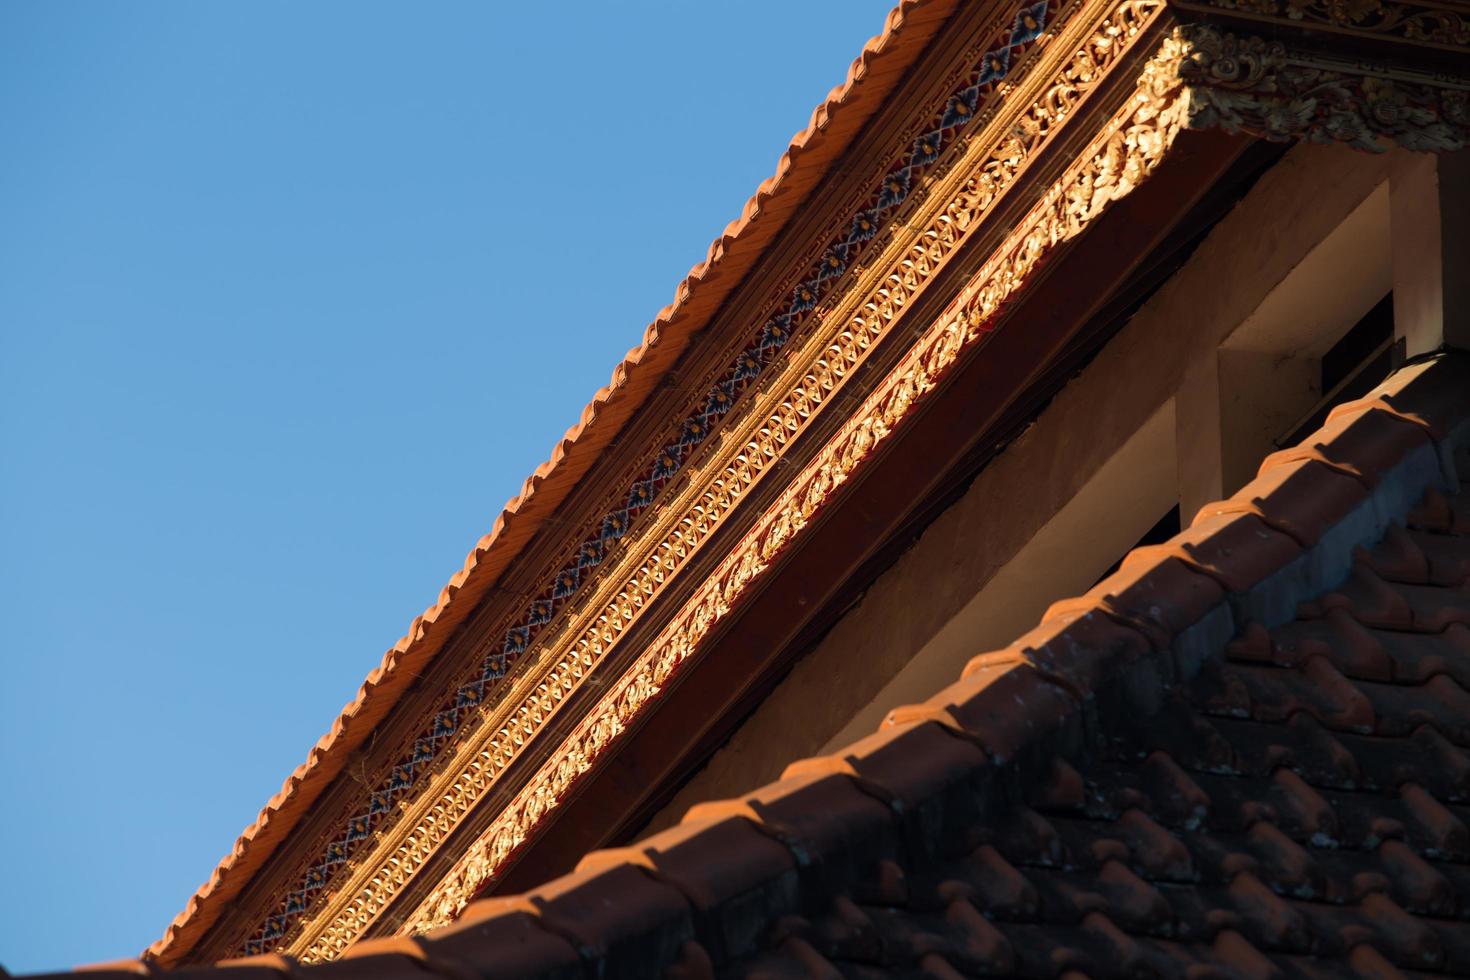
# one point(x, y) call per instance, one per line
point(1262, 395)
point(1070, 550)
point(1140, 428)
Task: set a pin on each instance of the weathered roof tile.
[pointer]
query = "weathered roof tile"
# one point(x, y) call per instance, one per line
point(1296, 809)
point(1301, 498)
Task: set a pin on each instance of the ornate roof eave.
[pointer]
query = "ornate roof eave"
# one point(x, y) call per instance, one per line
point(1367, 73)
point(698, 298)
point(1086, 109)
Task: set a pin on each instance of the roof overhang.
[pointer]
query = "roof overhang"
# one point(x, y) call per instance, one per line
point(1002, 179)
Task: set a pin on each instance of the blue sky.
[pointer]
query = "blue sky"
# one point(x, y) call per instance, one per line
point(292, 298)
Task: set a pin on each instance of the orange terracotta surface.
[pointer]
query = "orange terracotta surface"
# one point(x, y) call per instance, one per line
point(1083, 803)
point(801, 168)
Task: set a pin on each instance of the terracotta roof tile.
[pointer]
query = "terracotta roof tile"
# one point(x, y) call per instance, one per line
point(1076, 647)
point(1004, 706)
point(908, 28)
point(1293, 802)
point(502, 946)
point(614, 912)
point(1298, 497)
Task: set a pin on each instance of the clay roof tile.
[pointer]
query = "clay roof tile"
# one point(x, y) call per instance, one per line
point(1279, 808)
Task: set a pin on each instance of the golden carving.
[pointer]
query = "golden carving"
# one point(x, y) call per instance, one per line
point(1254, 86)
point(901, 249)
point(1435, 23)
point(1129, 148)
point(996, 153)
point(1188, 83)
point(1180, 87)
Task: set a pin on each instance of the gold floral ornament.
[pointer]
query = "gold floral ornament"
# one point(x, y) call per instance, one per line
point(1197, 79)
point(1131, 146)
point(1413, 21)
point(1173, 93)
point(1257, 87)
point(1348, 13)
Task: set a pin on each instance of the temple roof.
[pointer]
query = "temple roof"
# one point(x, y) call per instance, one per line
point(1245, 753)
point(959, 165)
point(801, 168)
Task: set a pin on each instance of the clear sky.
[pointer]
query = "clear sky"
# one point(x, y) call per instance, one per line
point(293, 296)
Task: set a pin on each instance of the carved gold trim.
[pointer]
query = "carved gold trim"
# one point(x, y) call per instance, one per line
point(1127, 150)
point(1183, 86)
point(608, 582)
point(1198, 78)
point(1246, 84)
point(1414, 20)
point(1078, 57)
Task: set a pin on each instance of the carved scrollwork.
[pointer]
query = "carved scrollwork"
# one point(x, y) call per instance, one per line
point(993, 158)
point(1131, 146)
point(1254, 86)
point(1225, 61)
point(1200, 77)
point(1410, 21)
point(1192, 81)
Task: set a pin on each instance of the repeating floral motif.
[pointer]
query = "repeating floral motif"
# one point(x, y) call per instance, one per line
point(1410, 20)
point(1129, 148)
point(1126, 152)
point(824, 358)
point(894, 189)
point(1251, 85)
point(1107, 180)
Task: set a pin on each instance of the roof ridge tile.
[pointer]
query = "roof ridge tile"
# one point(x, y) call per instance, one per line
point(1076, 648)
point(1236, 549)
point(1299, 497)
point(1365, 442)
point(851, 820)
point(1003, 707)
point(512, 943)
